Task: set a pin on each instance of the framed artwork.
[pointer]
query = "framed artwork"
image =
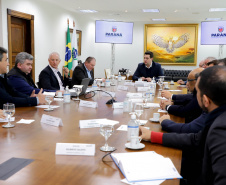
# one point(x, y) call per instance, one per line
point(172, 44)
point(79, 39)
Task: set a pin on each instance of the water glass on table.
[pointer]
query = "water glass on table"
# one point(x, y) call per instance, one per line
point(8, 110)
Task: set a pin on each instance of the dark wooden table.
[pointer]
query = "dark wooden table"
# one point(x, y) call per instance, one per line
point(38, 141)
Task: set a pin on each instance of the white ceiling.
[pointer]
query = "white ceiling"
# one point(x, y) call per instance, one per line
point(175, 11)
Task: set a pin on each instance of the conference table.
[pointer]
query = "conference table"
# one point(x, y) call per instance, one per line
point(37, 141)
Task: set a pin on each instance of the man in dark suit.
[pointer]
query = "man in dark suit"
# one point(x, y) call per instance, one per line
point(19, 76)
point(204, 151)
point(84, 70)
point(184, 105)
point(148, 69)
point(50, 77)
point(10, 95)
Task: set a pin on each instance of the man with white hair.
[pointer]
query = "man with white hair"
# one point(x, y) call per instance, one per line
point(50, 77)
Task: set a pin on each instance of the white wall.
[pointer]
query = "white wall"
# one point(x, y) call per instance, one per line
point(50, 35)
point(1, 37)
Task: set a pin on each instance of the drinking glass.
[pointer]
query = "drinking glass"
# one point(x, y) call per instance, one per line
point(112, 80)
point(8, 110)
point(78, 91)
point(146, 95)
point(127, 74)
point(138, 109)
point(106, 131)
point(160, 82)
point(49, 99)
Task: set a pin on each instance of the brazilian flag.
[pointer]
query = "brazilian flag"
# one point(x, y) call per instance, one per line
point(68, 56)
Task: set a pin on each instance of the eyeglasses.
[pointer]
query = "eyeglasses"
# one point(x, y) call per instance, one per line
point(190, 80)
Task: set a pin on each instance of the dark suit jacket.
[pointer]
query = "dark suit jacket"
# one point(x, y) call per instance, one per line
point(142, 71)
point(205, 151)
point(80, 73)
point(48, 80)
point(9, 95)
point(186, 106)
point(192, 127)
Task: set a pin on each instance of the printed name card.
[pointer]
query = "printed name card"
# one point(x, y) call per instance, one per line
point(92, 123)
point(123, 88)
point(106, 94)
point(75, 149)
point(129, 83)
point(134, 95)
point(139, 83)
point(118, 105)
point(139, 89)
point(90, 104)
point(50, 120)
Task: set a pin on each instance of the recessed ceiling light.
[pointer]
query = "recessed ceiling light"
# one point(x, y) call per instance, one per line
point(213, 19)
point(109, 20)
point(217, 9)
point(88, 11)
point(150, 10)
point(159, 19)
point(126, 11)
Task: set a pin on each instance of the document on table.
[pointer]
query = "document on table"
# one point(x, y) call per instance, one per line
point(47, 106)
point(26, 121)
point(92, 123)
point(162, 111)
point(146, 166)
point(156, 182)
point(49, 93)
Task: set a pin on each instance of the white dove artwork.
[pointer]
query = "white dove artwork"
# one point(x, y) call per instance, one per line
point(170, 45)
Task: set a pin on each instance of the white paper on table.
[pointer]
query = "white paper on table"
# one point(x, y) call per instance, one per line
point(88, 104)
point(49, 93)
point(176, 90)
point(26, 121)
point(162, 98)
point(143, 122)
point(134, 95)
point(117, 105)
point(6, 119)
point(182, 86)
point(155, 182)
point(137, 100)
point(153, 105)
point(75, 149)
point(47, 106)
point(163, 111)
point(146, 166)
point(92, 123)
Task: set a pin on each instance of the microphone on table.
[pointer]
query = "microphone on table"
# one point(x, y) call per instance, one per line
point(109, 102)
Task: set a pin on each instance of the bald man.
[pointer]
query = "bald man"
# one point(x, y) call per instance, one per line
point(184, 105)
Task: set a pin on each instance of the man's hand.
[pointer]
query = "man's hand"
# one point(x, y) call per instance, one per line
point(145, 134)
point(148, 79)
point(41, 97)
point(143, 78)
point(163, 118)
point(166, 94)
point(66, 71)
point(163, 104)
point(33, 94)
point(2, 114)
point(181, 82)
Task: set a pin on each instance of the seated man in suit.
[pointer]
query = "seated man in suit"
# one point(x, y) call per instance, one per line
point(50, 77)
point(20, 77)
point(10, 95)
point(84, 70)
point(204, 152)
point(148, 69)
point(184, 105)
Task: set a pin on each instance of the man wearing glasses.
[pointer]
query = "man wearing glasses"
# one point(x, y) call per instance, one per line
point(184, 105)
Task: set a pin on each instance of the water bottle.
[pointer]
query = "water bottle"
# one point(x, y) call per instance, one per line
point(127, 104)
point(149, 93)
point(67, 95)
point(94, 86)
point(133, 128)
point(107, 83)
point(119, 77)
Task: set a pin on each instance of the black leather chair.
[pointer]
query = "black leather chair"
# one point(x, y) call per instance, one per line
point(175, 75)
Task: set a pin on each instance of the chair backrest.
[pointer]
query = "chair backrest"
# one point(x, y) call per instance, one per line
point(107, 73)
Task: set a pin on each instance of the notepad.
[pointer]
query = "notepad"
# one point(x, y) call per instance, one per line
point(146, 166)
